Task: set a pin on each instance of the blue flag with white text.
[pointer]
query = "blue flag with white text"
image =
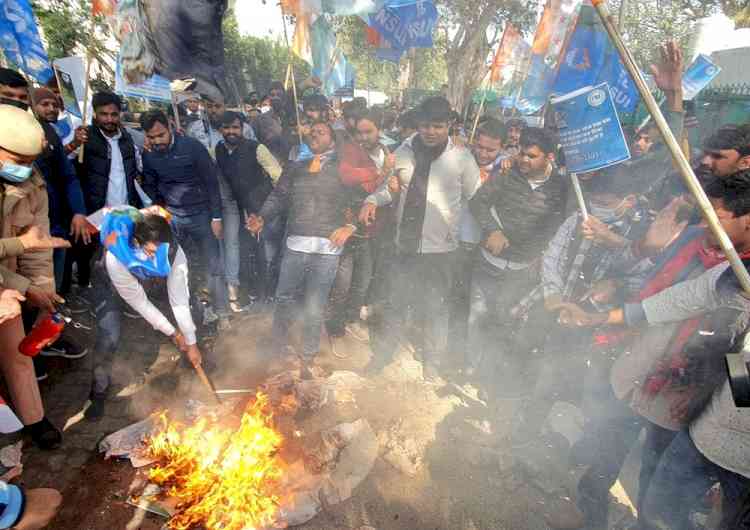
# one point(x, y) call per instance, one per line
point(406, 23)
point(20, 41)
point(330, 65)
point(590, 59)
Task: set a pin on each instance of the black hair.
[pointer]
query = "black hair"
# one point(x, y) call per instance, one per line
point(493, 128)
point(330, 128)
point(102, 99)
point(276, 85)
point(408, 119)
point(435, 109)
point(535, 136)
point(152, 228)
point(352, 111)
point(610, 180)
point(12, 79)
point(229, 117)
point(375, 115)
point(516, 123)
point(360, 102)
point(151, 118)
point(733, 191)
point(315, 101)
point(730, 137)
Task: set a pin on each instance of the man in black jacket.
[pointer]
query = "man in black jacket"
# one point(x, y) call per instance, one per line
point(316, 200)
point(179, 174)
point(248, 168)
point(518, 213)
point(108, 174)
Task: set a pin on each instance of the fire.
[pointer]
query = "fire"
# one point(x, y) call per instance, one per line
point(223, 479)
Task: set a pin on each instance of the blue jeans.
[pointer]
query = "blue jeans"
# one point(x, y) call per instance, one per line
point(681, 481)
point(58, 262)
point(313, 274)
point(232, 229)
point(201, 246)
point(107, 312)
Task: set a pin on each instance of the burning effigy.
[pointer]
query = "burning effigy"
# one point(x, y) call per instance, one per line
point(249, 467)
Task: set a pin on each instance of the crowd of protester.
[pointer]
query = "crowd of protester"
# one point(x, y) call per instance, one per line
point(397, 227)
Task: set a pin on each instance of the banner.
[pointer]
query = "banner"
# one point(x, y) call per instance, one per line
point(68, 92)
point(20, 41)
point(512, 54)
point(698, 76)
point(590, 131)
point(301, 45)
point(154, 88)
point(406, 23)
point(383, 49)
point(331, 7)
point(591, 59)
point(329, 63)
point(556, 23)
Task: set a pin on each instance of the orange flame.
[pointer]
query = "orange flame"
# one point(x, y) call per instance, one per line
point(223, 479)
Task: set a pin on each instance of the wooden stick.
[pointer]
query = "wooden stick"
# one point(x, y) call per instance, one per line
point(691, 181)
point(206, 381)
point(85, 111)
point(291, 71)
point(579, 195)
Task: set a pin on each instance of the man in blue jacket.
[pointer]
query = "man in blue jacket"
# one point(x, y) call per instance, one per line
point(180, 175)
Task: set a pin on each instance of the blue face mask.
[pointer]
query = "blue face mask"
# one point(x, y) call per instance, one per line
point(14, 173)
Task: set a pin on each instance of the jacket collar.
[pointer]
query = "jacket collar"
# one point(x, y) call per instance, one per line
point(15, 193)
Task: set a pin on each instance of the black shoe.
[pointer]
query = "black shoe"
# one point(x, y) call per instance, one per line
point(64, 348)
point(45, 435)
point(95, 411)
point(76, 304)
point(40, 368)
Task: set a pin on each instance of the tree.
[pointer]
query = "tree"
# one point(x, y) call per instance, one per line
point(66, 29)
point(252, 63)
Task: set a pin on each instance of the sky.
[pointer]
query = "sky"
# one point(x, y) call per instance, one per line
point(259, 19)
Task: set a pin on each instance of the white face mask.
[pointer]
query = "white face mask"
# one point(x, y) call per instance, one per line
point(265, 108)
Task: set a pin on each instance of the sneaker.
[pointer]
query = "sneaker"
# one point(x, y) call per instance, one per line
point(64, 348)
point(95, 410)
point(365, 312)
point(45, 435)
point(76, 304)
point(235, 307)
point(359, 331)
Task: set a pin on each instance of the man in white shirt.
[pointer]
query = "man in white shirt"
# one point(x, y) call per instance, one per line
point(150, 256)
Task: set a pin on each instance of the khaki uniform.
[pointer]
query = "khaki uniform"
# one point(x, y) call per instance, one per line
point(22, 206)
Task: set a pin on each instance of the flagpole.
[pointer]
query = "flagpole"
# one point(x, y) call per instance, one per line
point(678, 156)
point(87, 86)
point(291, 72)
point(485, 84)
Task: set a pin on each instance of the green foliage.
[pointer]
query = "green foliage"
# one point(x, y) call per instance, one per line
point(66, 27)
point(252, 63)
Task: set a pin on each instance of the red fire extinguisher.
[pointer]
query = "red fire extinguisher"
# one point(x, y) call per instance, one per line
point(43, 334)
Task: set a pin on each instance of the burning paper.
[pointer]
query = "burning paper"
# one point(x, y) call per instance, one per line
point(223, 478)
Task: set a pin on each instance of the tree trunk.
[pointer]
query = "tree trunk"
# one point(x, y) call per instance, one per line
point(406, 71)
point(467, 62)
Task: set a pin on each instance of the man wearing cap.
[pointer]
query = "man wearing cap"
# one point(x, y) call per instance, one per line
point(25, 206)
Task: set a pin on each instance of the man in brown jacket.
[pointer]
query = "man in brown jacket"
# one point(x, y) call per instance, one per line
point(23, 205)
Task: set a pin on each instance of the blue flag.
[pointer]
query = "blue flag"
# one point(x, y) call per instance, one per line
point(591, 59)
point(20, 41)
point(329, 62)
point(590, 131)
point(698, 76)
point(406, 23)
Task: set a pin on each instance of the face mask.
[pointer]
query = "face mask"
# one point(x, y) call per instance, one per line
point(15, 103)
point(14, 173)
point(265, 108)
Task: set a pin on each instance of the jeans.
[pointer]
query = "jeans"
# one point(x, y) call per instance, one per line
point(353, 279)
point(494, 293)
point(58, 262)
point(608, 443)
point(313, 274)
point(264, 251)
point(108, 313)
point(201, 246)
point(82, 255)
point(422, 283)
point(233, 225)
point(681, 481)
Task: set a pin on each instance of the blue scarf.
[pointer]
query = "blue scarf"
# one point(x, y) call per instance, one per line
point(116, 236)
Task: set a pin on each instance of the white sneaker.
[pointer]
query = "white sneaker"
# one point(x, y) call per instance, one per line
point(365, 312)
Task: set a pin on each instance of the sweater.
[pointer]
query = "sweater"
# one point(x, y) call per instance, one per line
point(453, 180)
point(183, 179)
point(244, 175)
